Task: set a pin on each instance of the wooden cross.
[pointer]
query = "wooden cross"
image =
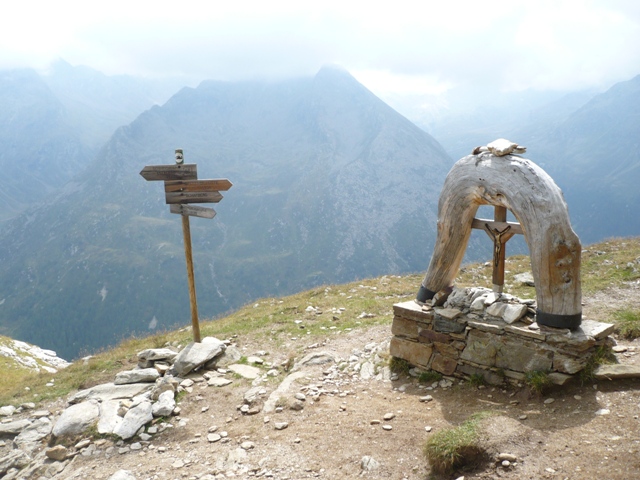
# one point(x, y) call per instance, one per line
point(500, 231)
point(182, 187)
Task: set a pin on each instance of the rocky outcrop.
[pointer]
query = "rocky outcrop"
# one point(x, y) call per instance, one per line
point(32, 357)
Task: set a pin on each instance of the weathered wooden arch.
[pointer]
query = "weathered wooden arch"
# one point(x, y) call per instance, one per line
point(537, 202)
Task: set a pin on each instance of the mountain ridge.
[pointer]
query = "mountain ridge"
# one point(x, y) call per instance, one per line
point(319, 196)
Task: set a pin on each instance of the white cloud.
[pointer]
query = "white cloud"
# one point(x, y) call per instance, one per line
point(403, 46)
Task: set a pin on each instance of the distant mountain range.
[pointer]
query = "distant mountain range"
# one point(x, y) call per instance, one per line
point(330, 185)
point(589, 143)
point(52, 125)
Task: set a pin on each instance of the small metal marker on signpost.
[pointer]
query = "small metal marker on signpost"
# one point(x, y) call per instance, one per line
point(182, 187)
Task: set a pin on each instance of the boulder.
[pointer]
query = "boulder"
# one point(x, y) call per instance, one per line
point(230, 355)
point(165, 405)
point(195, 355)
point(77, 418)
point(135, 418)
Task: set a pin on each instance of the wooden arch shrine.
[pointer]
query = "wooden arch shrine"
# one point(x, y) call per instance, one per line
point(519, 185)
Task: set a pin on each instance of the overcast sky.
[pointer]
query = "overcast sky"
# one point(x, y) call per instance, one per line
point(416, 47)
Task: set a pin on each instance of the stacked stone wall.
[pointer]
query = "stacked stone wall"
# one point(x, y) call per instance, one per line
point(478, 332)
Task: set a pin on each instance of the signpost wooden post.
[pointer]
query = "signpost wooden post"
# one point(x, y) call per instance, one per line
point(182, 188)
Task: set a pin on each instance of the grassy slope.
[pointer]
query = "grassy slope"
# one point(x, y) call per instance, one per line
point(610, 264)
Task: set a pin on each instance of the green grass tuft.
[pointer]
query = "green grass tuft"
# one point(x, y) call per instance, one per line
point(454, 447)
point(627, 323)
point(399, 366)
point(538, 381)
point(429, 376)
point(602, 355)
point(476, 379)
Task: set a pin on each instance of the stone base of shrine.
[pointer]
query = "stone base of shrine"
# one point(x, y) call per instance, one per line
point(486, 340)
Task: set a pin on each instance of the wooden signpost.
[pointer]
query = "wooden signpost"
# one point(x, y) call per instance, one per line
point(182, 187)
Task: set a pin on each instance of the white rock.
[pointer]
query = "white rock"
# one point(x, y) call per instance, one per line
point(367, 371)
point(478, 304)
point(165, 405)
point(513, 312)
point(525, 278)
point(496, 309)
point(135, 418)
point(197, 354)
point(122, 475)
point(109, 417)
point(142, 375)
point(154, 354)
point(369, 463)
point(245, 371)
point(77, 418)
point(491, 298)
point(7, 410)
point(218, 382)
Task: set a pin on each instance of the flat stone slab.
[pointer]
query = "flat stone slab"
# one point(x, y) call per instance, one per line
point(110, 391)
point(611, 372)
point(219, 382)
point(448, 313)
point(245, 371)
point(141, 375)
point(597, 330)
point(13, 428)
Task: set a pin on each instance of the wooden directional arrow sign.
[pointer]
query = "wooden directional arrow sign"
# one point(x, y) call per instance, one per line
point(186, 171)
point(195, 191)
point(192, 211)
point(197, 185)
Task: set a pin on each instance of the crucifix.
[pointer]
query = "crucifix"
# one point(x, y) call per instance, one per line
point(500, 231)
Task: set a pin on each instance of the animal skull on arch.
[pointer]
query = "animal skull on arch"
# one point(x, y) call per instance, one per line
point(500, 148)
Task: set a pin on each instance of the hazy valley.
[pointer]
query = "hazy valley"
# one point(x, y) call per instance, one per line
point(330, 185)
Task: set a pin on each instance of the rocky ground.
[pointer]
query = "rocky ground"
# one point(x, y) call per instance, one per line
point(343, 414)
